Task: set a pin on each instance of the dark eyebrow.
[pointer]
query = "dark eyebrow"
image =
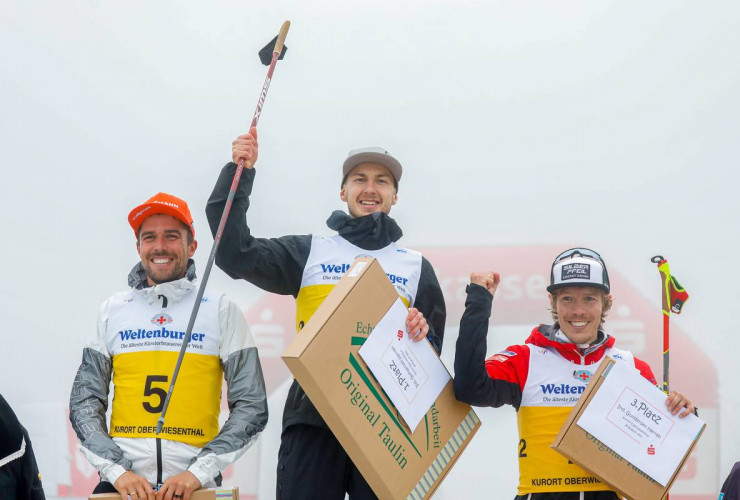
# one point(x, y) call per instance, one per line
point(166, 231)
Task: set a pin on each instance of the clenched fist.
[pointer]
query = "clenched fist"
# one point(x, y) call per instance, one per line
point(488, 280)
point(245, 147)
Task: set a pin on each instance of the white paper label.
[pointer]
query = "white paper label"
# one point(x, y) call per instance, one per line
point(629, 415)
point(410, 373)
point(356, 270)
point(405, 368)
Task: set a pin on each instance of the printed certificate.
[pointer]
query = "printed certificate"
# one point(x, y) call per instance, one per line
point(411, 373)
point(629, 415)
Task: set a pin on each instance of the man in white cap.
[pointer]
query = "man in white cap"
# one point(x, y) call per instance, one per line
point(311, 462)
point(563, 354)
point(137, 344)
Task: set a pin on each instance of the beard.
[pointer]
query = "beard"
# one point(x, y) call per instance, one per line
point(171, 273)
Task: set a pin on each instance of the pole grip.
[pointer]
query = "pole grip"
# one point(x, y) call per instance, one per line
point(281, 37)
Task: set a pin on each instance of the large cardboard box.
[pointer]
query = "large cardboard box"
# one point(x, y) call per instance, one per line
point(203, 494)
point(594, 456)
point(323, 358)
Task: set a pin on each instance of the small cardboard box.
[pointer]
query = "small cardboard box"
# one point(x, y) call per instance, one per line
point(323, 358)
point(203, 494)
point(587, 451)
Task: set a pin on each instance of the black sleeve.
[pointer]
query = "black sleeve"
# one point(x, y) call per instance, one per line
point(472, 383)
point(430, 301)
point(731, 486)
point(19, 474)
point(274, 264)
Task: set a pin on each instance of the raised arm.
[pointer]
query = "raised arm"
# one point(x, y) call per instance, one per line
point(275, 264)
point(479, 382)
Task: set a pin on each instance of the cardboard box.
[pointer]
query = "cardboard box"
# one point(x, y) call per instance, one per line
point(323, 358)
point(203, 494)
point(588, 452)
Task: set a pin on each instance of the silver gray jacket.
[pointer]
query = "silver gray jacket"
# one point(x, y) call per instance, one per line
point(154, 461)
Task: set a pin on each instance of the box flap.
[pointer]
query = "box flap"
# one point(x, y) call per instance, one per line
point(329, 306)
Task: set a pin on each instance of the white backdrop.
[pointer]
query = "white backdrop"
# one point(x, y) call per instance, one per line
point(608, 124)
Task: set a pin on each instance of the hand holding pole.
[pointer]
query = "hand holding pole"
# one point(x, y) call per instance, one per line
point(279, 45)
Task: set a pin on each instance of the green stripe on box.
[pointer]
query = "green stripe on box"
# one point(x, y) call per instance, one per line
point(371, 387)
point(426, 424)
point(433, 473)
point(224, 494)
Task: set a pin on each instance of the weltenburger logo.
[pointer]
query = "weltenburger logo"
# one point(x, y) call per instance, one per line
point(159, 333)
point(343, 268)
point(562, 389)
point(576, 271)
point(335, 268)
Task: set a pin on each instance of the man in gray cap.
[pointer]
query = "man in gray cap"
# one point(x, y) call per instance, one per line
point(311, 462)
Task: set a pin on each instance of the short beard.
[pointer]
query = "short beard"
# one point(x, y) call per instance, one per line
point(175, 275)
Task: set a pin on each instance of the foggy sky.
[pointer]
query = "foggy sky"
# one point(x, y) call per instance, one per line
point(607, 124)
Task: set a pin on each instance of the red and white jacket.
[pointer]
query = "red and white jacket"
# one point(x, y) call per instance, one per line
point(542, 379)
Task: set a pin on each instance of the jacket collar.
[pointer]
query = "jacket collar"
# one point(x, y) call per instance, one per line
point(547, 336)
point(370, 232)
point(173, 290)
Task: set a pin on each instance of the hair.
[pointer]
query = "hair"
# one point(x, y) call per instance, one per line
point(190, 237)
point(606, 305)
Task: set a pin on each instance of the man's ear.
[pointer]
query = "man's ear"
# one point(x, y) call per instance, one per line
point(343, 194)
point(192, 247)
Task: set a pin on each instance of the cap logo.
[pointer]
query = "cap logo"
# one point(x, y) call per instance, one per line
point(576, 271)
point(168, 203)
point(140, 212)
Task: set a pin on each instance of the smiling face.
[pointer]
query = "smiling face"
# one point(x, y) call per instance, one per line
point(369, 188)
point(164, 247)
point(579, 311)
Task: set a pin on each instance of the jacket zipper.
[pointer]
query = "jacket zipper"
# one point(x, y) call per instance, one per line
point(159, 462)
point(159, 441)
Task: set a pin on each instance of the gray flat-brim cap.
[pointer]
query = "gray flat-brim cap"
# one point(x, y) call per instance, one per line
point(372, 155)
